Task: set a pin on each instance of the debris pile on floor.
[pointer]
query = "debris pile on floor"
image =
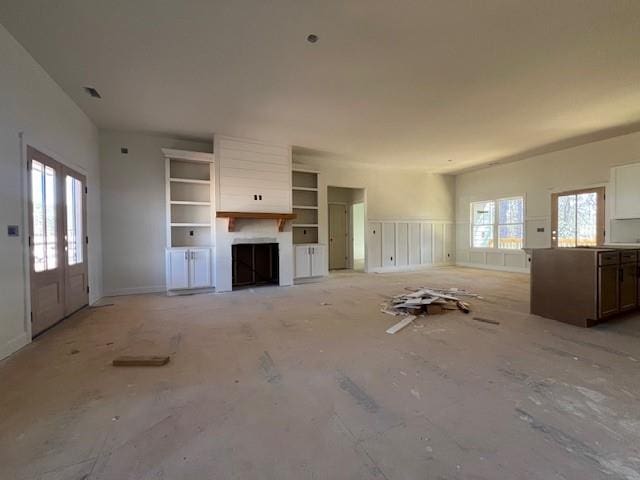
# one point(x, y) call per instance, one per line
point(425, 301)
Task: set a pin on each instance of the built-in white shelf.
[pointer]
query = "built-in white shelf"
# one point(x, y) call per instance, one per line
point(306, 207)
point(305, 225)
point(189, 180)
point(305, 189)
point(190, 224)
point(182, 202)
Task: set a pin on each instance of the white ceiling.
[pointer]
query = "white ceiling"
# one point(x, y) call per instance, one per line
point(399, 83)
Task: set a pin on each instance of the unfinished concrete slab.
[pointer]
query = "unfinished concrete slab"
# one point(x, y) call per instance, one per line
point(304, 383)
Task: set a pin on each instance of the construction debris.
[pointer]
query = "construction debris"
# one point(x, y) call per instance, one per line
point(401, 324)
point(425, 301)
point(486, 320)
point(141, 361)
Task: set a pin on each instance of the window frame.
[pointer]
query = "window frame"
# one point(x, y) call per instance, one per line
point(496, 225)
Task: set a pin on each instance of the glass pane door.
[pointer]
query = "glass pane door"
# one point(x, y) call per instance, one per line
point(45, 239)
point(579, 218)
point(74, 220)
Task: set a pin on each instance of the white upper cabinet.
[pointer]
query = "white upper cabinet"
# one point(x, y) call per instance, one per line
point(252, 176)
point(626, 191)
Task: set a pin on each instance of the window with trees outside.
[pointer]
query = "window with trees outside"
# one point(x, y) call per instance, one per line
point(498, 223)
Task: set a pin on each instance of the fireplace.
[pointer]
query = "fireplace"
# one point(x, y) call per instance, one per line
point(254, 264)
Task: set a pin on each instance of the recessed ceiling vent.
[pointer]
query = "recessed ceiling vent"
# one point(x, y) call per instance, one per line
point(92, 91)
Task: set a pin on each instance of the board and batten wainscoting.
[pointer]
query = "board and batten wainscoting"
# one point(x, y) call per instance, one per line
point(536, 235)
point(409, 245)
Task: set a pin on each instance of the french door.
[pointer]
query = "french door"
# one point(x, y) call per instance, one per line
point(57, 241)
point(577, 218)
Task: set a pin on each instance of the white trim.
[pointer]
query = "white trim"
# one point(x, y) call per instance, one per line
point(136, 291)
point(187, 155)
point(501, 268)
point(14, 345)
point(409, 268)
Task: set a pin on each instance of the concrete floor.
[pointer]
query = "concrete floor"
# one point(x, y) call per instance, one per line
point(304, 383)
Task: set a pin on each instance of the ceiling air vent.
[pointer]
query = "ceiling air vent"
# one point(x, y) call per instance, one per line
point(92, 91)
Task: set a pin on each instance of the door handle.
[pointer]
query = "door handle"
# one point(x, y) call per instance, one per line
point(621, 274)
point(186, 255)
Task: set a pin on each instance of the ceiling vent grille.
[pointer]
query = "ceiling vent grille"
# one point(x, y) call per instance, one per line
point(92, 92)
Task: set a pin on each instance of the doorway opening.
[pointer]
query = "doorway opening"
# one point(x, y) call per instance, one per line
point(347, 223)
point(58, 266)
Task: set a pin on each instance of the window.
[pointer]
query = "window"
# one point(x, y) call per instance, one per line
point(45, 245)
point(504, 230)
point(578, 218)
point(74, 219)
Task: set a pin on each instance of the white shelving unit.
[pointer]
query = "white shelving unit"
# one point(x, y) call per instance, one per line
point(190, 213)
point(310, 256)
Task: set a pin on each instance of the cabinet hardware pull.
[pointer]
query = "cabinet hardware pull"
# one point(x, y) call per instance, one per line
point(255, 197)
point(259, 197)
point(186, 255)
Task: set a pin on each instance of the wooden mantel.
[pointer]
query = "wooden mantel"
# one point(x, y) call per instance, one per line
point(280, 218)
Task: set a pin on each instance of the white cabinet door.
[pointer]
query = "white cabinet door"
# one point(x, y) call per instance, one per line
point(177, 269)
point(200, 267)
point(627, 191)
point(302, 256)
point(317, 260)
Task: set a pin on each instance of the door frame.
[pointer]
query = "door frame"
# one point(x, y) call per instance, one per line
point(325, 221)
point(25, 141)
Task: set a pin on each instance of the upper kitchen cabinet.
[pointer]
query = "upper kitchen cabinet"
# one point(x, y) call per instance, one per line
point(625, 182)
point(252, 176)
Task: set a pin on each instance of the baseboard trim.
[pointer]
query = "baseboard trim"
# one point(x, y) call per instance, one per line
point(408, 268)
point(14, 345)
point(135, 291)
point(500, 268)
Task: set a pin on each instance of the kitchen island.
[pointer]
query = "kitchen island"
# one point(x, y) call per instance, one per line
point(584, 286)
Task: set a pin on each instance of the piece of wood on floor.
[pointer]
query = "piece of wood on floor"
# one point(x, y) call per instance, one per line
point(401, 324)
point(141, 361)
point(486, 320)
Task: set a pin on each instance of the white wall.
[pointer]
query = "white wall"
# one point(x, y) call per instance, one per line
point(31, 102)
point(536, 178)
point(133, 209)
point(391, 195)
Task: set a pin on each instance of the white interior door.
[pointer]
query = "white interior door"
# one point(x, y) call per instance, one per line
point(338, 236)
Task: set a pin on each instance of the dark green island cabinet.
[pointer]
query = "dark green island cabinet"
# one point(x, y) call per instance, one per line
point(584, 286)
